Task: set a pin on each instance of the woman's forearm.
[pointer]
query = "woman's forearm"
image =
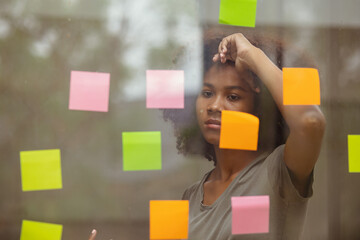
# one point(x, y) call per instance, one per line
point(304, 117)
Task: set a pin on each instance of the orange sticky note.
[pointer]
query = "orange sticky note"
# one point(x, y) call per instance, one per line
point(169, 219)
point(239, 130)
point(301, 86)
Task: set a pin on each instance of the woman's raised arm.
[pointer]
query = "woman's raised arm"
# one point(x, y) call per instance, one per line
point(306, 123)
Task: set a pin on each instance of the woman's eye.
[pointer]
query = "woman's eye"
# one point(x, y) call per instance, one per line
point(207, 94)
point(233, 97)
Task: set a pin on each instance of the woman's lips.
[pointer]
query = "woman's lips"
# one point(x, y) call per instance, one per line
point(213, 124)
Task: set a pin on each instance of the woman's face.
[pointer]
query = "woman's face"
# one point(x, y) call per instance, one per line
point(224, 88)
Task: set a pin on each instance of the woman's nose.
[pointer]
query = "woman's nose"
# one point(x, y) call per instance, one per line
point(215, 106)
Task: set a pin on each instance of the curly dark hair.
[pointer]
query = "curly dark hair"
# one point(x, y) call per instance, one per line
point(273, 129)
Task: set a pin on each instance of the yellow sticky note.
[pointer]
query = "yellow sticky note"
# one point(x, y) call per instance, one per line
point(238, 12)
point(169, 219)
point(141, 151)
point(239, 130)
point(301, 86)
point(31, 230)
point(40, 170)
point(354, 153)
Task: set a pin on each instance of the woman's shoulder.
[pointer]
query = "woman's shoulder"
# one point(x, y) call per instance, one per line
point(194, 187)
point(276, 154)
point(190, 190)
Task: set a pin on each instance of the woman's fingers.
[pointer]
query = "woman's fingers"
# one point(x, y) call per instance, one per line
point(216, 57)
point(219, 57)
point(237, 48)
point(221, 45)
point(92, 235)
point(223, 50)
point(232, 47)
point(228, 48)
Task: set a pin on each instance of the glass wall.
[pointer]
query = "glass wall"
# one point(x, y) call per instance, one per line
point(41, 42)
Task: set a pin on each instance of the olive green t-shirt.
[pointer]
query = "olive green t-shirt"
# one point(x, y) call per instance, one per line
point(266, 175)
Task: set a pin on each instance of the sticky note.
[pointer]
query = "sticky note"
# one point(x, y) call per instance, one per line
point(164, 89)
point(31, 230)
point(238, 12)
point(301, 86)
point(354, 153)
point(169, 219)
point(141, 151)
point(40, 170)
point(250, 214)
point(239, 130)
point(89, 91)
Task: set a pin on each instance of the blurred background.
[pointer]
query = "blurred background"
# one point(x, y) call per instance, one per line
point(41, 42)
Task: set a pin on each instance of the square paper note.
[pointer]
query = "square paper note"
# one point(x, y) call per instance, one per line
point(301, 86)
point(354, 153)
point(40, 170)
point(250, 214)
point(238, 12)
point(169, 219)
point(239, 130)
point(89, 91)
point(31, 230)
point(164, 89)
point(141, 151)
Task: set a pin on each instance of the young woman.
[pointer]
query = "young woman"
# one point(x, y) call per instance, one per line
point(231, 82)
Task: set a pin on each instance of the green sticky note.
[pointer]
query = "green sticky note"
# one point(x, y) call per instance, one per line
point(31, 230)
point(40, 170)
point(354, 153)
point(141, 151)
point(238, 12)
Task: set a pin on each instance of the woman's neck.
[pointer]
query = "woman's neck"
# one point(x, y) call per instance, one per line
point(230, 162)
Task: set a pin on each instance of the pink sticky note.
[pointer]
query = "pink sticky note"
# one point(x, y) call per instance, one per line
point(89, 91)
point(250, 214)
point(164, 89)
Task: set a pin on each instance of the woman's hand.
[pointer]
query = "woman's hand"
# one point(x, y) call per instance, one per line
point(238, 49)
point(233, 47)
point(92, 235)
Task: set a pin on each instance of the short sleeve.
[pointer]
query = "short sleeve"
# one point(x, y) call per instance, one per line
point(280, 179)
